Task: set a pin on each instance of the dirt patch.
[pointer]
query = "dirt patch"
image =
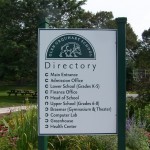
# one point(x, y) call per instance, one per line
point(3, 115)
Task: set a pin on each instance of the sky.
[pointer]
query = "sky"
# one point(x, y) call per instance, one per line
point(136, 11)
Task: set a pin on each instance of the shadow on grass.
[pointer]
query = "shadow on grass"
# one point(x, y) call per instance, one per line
point(8, 101)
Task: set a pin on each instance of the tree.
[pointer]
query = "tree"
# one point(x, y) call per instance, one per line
point(63, 13)
point(132, 44)
point(143, 55)
point(143, 64)
point(20, 20)
point(18, 29)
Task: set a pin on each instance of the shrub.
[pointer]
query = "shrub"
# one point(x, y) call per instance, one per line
point(5, 144)
point(136, 138)
point(83, 142)
point(22, 128)
point(147, 117)
point(141, 114)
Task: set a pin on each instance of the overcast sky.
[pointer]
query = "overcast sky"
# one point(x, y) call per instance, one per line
point(136, 11)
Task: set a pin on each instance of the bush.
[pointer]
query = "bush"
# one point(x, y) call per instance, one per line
point(22, 129)
point(147, 117)
point(138, 122)
point(22, 134)
point(83, 143)
point(5, 144)
point(143, 89)
point(140, 113)
point(136, 138)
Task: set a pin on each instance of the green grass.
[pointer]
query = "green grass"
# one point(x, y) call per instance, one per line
point(8, 101)
point(7, 87)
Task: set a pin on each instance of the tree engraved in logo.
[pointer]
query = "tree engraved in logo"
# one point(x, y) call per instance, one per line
point(70, 49)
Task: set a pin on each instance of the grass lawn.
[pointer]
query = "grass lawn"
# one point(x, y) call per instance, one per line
point(7, 101)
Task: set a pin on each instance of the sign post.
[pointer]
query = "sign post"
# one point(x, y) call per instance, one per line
point(81, 78)
point(121, 22)
point(42, 140)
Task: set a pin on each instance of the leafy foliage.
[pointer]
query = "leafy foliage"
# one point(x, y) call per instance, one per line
point(142, 62)
point(143, 51)
point(22, 129)
point(20, 20)
point(136, 139)
point(18, 40)
point(138, 113)
point(83, 142)
point(137, 124)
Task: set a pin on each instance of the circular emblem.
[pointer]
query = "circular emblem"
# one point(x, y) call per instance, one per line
point(70, 46)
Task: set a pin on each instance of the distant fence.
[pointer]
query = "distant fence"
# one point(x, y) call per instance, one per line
point(139, 74)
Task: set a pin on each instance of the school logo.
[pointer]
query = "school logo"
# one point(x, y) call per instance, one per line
point(70, 46)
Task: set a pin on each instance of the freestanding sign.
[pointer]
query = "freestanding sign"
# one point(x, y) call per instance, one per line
point(77, 82)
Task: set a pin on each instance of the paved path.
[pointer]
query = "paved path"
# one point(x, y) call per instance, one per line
point(8, 110)
point(132, 95)
point(18, 108)
point(12, 109)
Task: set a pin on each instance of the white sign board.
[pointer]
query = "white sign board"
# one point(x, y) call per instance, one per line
point(77, 82)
